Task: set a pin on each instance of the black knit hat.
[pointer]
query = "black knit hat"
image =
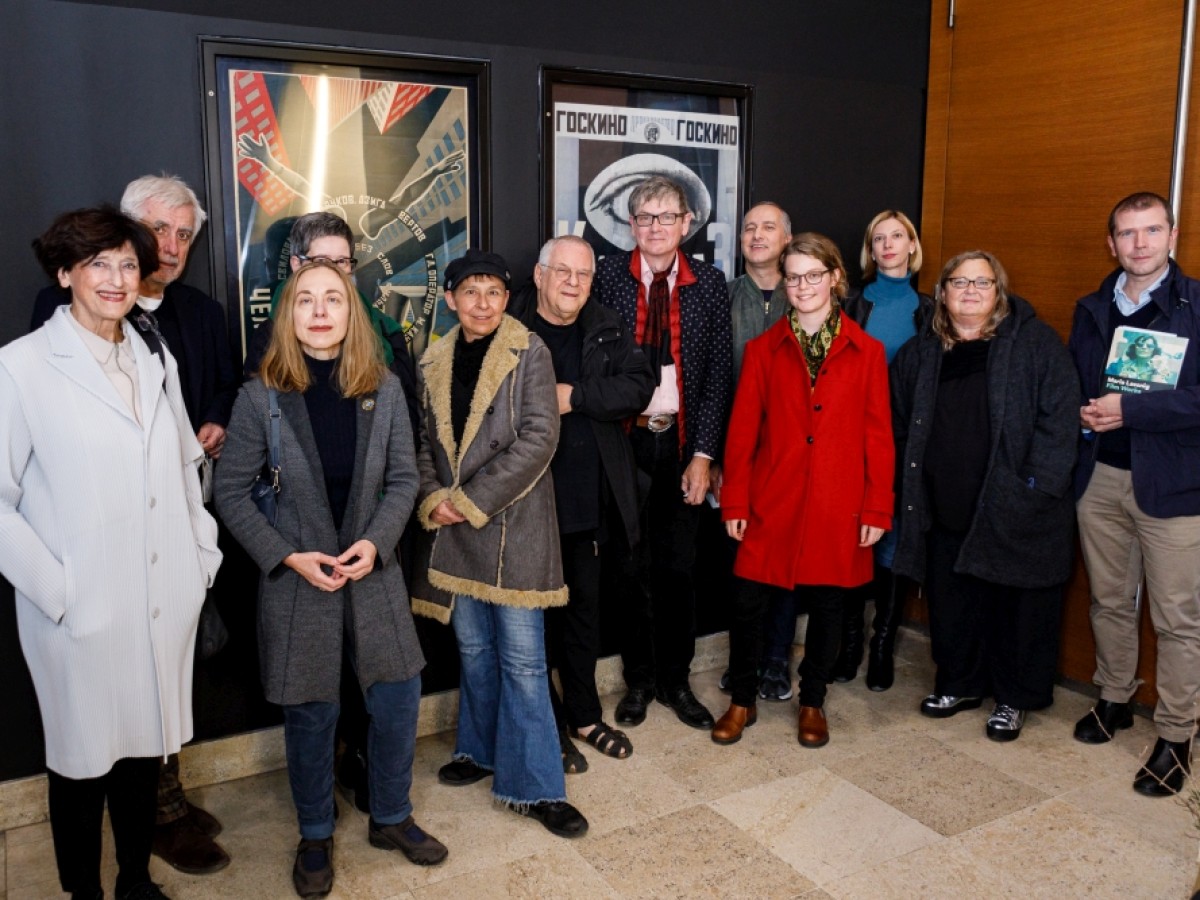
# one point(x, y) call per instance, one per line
point(476, 262)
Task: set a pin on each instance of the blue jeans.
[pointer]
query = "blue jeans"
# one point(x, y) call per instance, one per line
point(505, 722)
point(308, 734)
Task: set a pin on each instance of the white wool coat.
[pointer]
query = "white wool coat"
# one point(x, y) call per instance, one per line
point(104, 536)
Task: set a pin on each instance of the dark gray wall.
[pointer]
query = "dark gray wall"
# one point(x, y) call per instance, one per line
point(95, 94)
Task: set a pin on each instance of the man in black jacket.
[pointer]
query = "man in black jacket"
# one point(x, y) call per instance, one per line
point(603, 378)
point(193, 326)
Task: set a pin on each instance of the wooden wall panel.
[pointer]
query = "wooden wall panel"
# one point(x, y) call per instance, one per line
point(1040, 117)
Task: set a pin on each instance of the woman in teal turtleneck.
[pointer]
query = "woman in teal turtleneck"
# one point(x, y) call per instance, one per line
point(890, 310)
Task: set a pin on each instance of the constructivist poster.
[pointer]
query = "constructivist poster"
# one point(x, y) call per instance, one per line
point(390, 149)
point(1140, 360)
point(606, 133)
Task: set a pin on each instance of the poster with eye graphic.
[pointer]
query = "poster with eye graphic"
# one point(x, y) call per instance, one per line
point(603, 134)
point(388, 144)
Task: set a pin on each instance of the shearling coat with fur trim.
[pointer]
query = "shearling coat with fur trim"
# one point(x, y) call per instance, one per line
point(499, 479)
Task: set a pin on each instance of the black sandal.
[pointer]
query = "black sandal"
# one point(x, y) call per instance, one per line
point(574, 762)
point(607, 740)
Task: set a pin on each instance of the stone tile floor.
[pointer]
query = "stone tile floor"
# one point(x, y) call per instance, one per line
point(896, 805)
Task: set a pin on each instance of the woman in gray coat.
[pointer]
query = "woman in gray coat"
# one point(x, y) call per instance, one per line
point(347, 476)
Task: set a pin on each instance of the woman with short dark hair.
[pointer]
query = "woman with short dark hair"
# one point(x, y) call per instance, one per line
point(104, 536)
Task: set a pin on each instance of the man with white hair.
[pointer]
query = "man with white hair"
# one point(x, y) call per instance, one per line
point(193, 326)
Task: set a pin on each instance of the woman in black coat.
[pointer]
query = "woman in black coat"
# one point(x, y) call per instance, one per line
point(985, 408)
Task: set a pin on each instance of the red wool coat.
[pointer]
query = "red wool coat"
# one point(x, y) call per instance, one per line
point(804, 466)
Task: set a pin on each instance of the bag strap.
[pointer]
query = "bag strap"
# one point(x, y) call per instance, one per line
point(147, 326)
point(273, 445)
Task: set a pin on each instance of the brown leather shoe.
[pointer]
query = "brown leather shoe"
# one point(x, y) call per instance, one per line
point(812, 730)
point(730, 726)
point(184, 846)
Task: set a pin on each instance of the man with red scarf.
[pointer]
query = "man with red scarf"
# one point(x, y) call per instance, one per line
point(678, 310)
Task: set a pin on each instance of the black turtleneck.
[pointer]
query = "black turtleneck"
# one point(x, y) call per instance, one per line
point(468, 360)
point(334, 421)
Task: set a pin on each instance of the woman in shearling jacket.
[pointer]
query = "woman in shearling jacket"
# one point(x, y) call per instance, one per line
point(985, 409)
point(348, 480)
point(489, 427)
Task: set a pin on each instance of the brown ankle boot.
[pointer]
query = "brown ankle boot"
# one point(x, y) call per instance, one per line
point(730, 726)
point(812, 729)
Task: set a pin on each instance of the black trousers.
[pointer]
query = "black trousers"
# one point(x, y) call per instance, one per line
point(573, 633)
point(821, 640)
point(76, 813)
point(657, 603)
point(989, 639)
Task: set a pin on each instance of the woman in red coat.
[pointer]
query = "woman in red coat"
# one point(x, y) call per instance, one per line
point(808, 477)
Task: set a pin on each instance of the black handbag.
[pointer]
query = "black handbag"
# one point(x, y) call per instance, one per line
point(265, 490)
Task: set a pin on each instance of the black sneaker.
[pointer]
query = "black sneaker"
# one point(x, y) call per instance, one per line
point(462, 772)
point(147, 890)
point(418, 847)
point(559, 817)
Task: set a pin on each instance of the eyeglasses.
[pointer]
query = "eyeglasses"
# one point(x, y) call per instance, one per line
point(345, 263)
point(813, 277)
point(981, 284)
point(562, 273)
point(663, 218)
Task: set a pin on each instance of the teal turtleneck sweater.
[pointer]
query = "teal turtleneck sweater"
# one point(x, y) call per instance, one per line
point(895, 303)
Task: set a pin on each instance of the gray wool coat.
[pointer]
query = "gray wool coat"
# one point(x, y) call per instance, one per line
point(507, 551)
point(300, 628)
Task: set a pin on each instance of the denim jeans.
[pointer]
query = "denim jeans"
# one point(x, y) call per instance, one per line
point(308, 733)
point(505, 722)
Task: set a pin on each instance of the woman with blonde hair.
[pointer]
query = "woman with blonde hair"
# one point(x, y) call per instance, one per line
point(891, 310)
point(348, 478)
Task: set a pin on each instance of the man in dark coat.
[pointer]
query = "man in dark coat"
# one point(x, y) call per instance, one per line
point(678, 310)
point(1138, 488)
point(193, 326)
point(603, 378)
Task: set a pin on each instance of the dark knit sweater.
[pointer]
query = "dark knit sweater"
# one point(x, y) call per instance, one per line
point(334, 423)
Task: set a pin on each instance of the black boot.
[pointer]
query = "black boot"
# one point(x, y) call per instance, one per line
point(854, 602)
point(890, 591)
point(1165, 770)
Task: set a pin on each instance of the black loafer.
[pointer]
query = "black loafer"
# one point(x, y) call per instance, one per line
point(1166, 769)
point(559, 817)
point(632, 708)
point(688, 709)
point(312, 874)
point(462, 772)
point(1103, 721)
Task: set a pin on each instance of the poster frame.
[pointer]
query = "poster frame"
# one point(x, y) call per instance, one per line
point(553, 80)
point(303, 58)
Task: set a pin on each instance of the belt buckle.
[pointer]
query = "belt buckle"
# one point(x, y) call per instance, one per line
point(660, 422)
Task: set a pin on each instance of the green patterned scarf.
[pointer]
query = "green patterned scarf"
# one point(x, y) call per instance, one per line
point(816, 346)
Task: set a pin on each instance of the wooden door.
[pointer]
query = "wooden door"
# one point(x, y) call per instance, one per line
point(1040, 117)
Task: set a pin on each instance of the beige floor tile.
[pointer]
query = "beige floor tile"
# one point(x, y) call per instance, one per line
point(1161, 821)
point(3, 864)
point(615, 794)
point(559, 872)
point(823, 826)
point(30, 862)
point(943, 871)
point(942, 788)
point(1055, 850)
point(691, 853)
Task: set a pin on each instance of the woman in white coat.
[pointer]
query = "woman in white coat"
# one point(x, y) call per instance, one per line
point(106, 541)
